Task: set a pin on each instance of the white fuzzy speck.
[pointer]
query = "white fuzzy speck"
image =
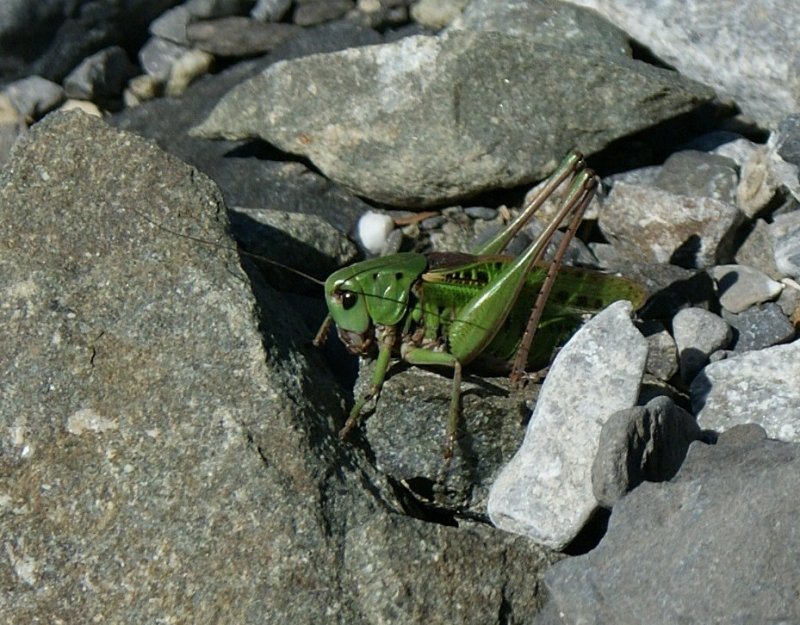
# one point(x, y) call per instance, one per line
point(373, 230)
point(87, 420)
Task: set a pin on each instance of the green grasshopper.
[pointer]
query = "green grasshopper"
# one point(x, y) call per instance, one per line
point(454, 309)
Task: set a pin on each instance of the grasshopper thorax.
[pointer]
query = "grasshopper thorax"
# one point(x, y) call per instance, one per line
point(372, 293)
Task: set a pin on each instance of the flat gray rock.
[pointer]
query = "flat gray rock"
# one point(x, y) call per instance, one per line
point(745, 49)
point(545, 491)
point(755, 387)
point(717, 544)
point(431, 119)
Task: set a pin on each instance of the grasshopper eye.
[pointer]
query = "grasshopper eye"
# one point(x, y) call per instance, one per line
point(349, 300)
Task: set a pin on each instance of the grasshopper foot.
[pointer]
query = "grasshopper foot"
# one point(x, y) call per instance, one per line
point(520, 378)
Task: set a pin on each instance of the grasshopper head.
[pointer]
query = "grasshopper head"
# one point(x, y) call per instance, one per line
point(348, 309)
point(373, 292)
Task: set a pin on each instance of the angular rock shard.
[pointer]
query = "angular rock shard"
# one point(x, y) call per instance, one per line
point(545, 492)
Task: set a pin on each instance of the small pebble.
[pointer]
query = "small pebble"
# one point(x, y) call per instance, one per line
point(369, 6)
point(662, 353)
point(373, 231)
point(789, 299)
point(12, 125)
point(393, 242)
point(480, 212)
point(142, 88)
point(741, 286)
point(698, 334)
point(318, 11)
point(102, 75)
point(158, 55)
point(787, 254)
point(759, 327)
point(89, 108)
point(757, 186)
point(437, 14)
point(211, 9)
point(721, 354)
point(34, 96)
point(432, 223)
point(189, 67)
point(171, 25)
point(270, 10)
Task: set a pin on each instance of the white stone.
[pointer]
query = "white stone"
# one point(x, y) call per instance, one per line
point(90, 108)
point(545, 491)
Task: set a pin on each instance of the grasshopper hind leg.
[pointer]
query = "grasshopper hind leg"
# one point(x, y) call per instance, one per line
point(427, 357)
point(577, 198)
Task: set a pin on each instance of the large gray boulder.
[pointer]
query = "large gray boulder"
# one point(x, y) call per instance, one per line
point(428, 120)
point(167, 445)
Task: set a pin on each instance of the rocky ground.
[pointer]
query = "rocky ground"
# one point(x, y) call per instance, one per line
point(168, 447)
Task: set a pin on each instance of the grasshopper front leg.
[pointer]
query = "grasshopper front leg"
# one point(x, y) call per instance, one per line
point(386, 340)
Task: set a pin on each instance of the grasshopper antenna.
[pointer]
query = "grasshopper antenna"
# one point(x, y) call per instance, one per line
point(274, 263)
